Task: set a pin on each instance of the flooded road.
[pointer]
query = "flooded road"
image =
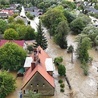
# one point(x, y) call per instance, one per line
point(83, 86)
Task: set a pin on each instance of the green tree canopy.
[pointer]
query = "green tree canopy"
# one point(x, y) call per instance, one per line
point(78, 24)
point(61, 70)
point(3, 25)
point(53, 17)
point(12, 56)
point(40, 37)
point(30, 34)
point(7, 84)
point(70, 17)
point(84, 43)
point(10, 19)
point(91, 32)
point(11, 34)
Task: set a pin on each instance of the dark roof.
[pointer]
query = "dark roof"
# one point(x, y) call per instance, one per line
point(3, 15)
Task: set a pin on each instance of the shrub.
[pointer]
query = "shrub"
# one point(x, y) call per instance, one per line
point(61, 70)
point(61, 90)
point(60, 81)
point(70, 49)
point(62, 85)
point(58, 60)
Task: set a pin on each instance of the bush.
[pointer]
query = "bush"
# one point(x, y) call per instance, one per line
point(58, 60)
point(60, 81)
point(61, 90)
point(62, 85)
point(70, 49)
point(61, 70)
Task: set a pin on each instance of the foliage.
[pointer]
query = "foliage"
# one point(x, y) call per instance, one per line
point(30, 34)
point(78, 24)
point(60, 81)
point(33, 95)
point(40, 38)
point(85, 68)
point(12, 56)
point(68, 4)
point(29, 15)
point(62, 85)
point(61, 90)
point(61, 41)
point(30, 48)
point(58, 60)
point(62, 31)
point(61, 70)
point(11, 34)
point(10, 19)
point(3, 25)
point(22, 30)
point(7, 84)
point(91, 32)
point(70, 49)
point(62, 28)
point(52, 18)
point(70, 17)
point(19, 21)
point(84, 43)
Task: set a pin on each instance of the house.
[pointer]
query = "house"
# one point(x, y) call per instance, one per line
point(8, 12)
point(19, 42)
point(3, 15)
point(39, 73)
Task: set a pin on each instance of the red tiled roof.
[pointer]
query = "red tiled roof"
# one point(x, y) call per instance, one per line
point(19, 42)
point(39, 68)
point(42, 72)
point(9, 12)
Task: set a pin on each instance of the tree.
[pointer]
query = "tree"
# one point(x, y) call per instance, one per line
point(29, 15)
point(91, 32)
point(30, 34)
point(40, 38)
point(53, 17)
point(62, 28)
point(12, 56)
point(84, 43)
point(10, 19)
point(7, 84)
point(61, 70)
point(19, 21)
point(61, 41)
point(78, 24)
point(70, 17)
point(33, 95)
point(3, 25)
point(58, 60)
point(68, 4)
point(70, 50)
point(11, 34)
point(22, 30)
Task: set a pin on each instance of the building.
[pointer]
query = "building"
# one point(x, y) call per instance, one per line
point(8, 12)
point(39, 73)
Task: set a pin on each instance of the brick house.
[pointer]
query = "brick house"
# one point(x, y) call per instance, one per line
point(39, 73)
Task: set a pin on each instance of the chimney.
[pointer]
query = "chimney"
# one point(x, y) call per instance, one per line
point(32, 66)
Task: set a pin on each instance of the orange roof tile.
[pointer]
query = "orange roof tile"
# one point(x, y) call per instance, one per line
point(42, 72)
